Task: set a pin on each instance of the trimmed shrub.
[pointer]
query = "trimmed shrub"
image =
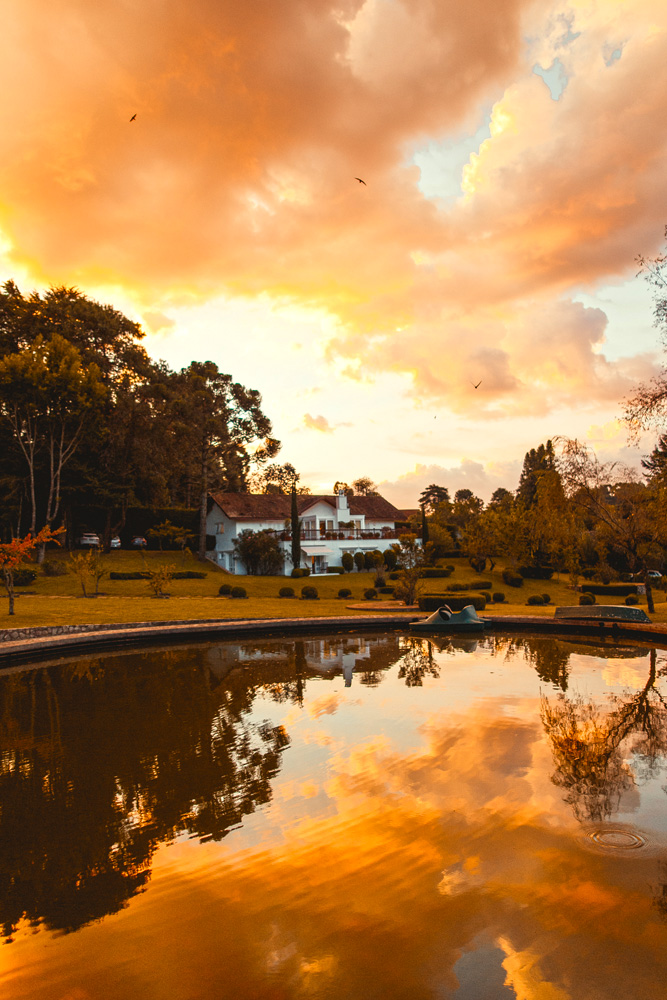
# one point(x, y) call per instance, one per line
point(309, 594)
point(24, 577)
point(632, 599)
point(225, 590)
point(370, 594)
point(613, 590)
point(535, 599)
point(286, 592)
point(487, 596)
point(431, 602)
point(546, 598)
point(379, 581)
point(297, 573)
point(498, 597)
point(394, 576)
point(238, 592)
point(305, 571)
point(435, 572)
point(385, 590)
point(536, 572)
point(587, 599)
point(54, 567)
point(335, 569)
point(450, 568)
point(128, 576)
point(512, 579)
point(347, 560)
point(359, 560)
point(470, 585)
point(390, 558)
point(189, 574)
point(344, 593)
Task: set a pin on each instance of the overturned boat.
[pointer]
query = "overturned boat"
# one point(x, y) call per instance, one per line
point(446, 621)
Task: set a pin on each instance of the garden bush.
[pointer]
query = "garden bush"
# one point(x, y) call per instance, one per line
point(24, 577)
point(335, 569)
point(297, 573)
point(632, 599)
point(386, 590)
point(347, 560)
point(512, 578)
point(379, 581)
point(394, 576)
point(450, 568)
point(435, 572)
point(536, 572)
point(309, 594)
point(225, 590)
point(470, 585)
point(587, 599)
point(54, 567)
point(546, 598)
point(359, 561)
point(487, 596)
point(238, 592)
point(286, 592)
point(498, 597)
point(431, 602)
point(370, 594)
point(390, 558)
point(535, 599)
point(129, 576)
point(189, 574)
point(344, 593)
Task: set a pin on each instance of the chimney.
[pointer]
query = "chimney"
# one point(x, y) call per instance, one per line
point(342, 509)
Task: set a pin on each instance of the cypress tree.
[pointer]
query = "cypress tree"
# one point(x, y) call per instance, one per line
point(424, 526)
point(296, 531)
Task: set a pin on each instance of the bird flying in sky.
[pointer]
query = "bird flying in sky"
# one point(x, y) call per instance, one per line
point(476, 386)
point(133, 117)
point(360, 181)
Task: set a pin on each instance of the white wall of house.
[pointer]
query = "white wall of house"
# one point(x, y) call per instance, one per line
point(319, 547)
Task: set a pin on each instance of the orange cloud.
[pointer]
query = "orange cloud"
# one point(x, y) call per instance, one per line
point(252, 122)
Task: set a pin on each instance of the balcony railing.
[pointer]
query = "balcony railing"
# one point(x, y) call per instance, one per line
point(352, 534)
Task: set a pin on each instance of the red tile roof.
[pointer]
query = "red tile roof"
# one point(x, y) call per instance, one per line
point(274, 507)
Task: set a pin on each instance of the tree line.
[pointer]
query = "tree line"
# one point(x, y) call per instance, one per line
point(89, 418)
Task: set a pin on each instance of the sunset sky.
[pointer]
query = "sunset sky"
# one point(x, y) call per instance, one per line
point(514, 160)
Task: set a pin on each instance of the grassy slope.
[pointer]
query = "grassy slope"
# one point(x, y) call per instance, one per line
point(58, 600)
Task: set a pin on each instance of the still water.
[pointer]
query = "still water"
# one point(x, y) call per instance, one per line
point(340, 817)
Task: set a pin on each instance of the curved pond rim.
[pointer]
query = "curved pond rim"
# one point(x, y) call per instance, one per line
point(34, 645)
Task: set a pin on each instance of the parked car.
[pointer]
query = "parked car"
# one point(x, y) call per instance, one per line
point(139, 542)
point(89, 540)
point(115, 542)
point(654, 574)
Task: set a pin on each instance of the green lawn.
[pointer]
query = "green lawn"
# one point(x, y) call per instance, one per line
point(57, 600)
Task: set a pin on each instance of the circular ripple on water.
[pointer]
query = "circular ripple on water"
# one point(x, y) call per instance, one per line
point(617, 839)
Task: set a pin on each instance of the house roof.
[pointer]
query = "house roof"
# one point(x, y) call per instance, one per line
point(409, 513)
point(274, 507)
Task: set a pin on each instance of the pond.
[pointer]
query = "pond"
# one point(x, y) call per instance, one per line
point(348, 816)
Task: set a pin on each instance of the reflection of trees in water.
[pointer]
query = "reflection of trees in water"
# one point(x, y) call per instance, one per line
point(549, 658)
point(417, 662)
point(100, 761)
point(587, 744)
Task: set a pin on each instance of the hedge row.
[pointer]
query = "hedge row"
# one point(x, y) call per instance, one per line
point(435, 572)
point(189, 574)
point(613, 589)
point(536, 572)
point(470, 585)
point(431, 602)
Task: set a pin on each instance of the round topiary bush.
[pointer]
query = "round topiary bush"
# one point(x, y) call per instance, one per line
point(225, 590)
point(344, 592)
point(546, 598)
point(297, 573)
point(347, 561)
point(238, 592)
point(305, 571)
point(309, 594)
point(498, 597)
point(587, 599)
point(632, 599)
point(487, 596)
point(512, 579)
point(370, 594)
point(286, 592)
point(394, 576)
point(535, 599)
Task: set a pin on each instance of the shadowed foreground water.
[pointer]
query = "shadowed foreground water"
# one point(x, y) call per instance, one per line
point(339, 817)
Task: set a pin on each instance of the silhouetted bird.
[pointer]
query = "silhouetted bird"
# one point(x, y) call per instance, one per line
point(476, 386)
point(360, 181)
point(132, 118)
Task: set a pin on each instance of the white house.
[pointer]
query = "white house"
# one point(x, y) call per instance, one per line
point(330, 526)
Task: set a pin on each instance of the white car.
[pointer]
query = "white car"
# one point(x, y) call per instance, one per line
point(89, 540)
point(115, 542)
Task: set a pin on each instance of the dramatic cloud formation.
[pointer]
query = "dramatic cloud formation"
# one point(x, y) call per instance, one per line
point(237, 177)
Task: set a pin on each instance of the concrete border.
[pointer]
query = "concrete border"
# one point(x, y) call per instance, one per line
point(57, 641)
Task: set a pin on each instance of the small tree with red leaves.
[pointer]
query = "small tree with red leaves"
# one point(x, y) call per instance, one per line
point(13, 553)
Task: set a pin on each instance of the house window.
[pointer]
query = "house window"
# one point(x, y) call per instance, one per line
point(219, 528)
